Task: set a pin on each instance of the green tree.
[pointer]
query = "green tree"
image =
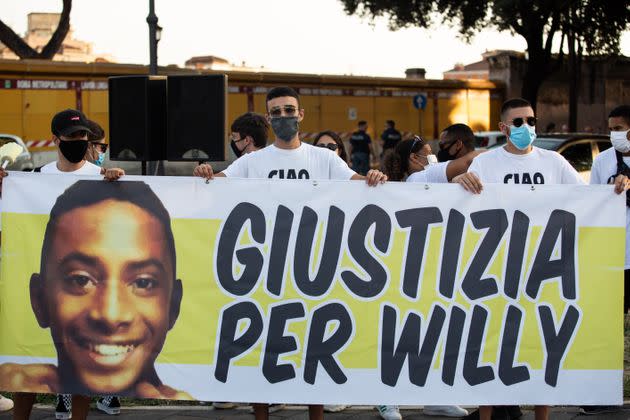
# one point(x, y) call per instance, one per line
point(16, 44)
point(598, 24)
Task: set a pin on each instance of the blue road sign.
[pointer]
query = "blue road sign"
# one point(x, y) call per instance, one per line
point(420, 101)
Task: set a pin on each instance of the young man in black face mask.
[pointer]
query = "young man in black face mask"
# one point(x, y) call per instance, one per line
point(456, 141)
point(70, 134)
point(288, 157)
point(250, 132)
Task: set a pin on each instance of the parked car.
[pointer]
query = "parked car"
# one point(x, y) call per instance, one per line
point(489, 138)
point(578, 148)
point(24, 161)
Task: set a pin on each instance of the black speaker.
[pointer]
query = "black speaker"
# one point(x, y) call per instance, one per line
point(137, 118)
point(196, 112)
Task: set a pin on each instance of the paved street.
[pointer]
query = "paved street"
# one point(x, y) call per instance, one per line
point(293, 412)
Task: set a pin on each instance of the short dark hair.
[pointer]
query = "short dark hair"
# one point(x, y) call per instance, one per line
point(460, 132)
point(279, 92)
point(391, 123)
point(514, 103)
point(362, 122)
point(342, 149)
point(622, 111)
point(85, 193)
point(253, 125)
point(96, 132)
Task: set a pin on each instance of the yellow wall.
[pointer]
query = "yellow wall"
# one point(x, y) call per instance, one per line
point(27, 112)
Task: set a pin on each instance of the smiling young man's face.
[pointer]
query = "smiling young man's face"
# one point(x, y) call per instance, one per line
point(108, 294)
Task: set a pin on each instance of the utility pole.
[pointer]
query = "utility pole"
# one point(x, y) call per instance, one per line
point(155, 33)
point(152, 20)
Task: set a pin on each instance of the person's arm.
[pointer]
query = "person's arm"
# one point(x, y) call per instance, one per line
point(622, 183)
point(568, 173)
point(596, 171)
point(373, 178)
point(3, 173)
point(470, 181)
point(205, 171)
point(459, 166)
point(340, 170)
point(113, 174)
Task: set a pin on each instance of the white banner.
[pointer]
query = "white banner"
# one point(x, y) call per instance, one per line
point(312, 291)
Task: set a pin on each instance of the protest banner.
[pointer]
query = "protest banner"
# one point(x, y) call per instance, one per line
point(312, 291)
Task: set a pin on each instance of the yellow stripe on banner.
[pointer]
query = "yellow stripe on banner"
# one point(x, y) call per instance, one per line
point(600, 292)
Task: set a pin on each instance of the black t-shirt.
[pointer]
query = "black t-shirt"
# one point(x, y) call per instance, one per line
point(391, 137)
point(360, 141)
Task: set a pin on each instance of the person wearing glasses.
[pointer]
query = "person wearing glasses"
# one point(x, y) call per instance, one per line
point(332, 141)
point(97, 146)
point(289, 158)
point(518, 162)
point(361, 149)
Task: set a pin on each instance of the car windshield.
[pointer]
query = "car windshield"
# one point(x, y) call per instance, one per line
point(549, 144)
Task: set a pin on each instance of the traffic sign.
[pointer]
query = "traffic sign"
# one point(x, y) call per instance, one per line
point(420, 101)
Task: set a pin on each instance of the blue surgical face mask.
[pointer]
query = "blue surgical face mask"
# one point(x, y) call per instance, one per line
point(101, 158)
point(522, 137)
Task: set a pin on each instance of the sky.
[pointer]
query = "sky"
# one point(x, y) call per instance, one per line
point(303, 36)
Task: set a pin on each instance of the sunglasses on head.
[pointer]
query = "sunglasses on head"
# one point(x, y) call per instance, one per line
point(331, 146)
point(517, 122)
point(101, 147)
point(289, 110)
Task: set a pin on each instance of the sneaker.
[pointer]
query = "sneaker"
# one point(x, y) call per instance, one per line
point(334, 408)
point(276, 407)
point(444, 411)
point(5, 403)
point(223, 405)
point(63, 411)
point(389, 412)
point(593, 410)
point(109, 405)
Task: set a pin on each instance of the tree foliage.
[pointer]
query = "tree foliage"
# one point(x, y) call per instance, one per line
point(597, 24)
point(16, 44)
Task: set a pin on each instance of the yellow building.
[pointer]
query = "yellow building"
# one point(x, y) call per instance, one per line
point(32, 91)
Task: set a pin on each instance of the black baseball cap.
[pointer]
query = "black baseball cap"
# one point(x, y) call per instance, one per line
point(69, 121)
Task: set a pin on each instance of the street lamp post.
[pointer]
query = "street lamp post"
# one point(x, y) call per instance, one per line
point(152, 20)
point(155, 33)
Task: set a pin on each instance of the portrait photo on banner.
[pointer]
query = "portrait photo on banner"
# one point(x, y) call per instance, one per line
point(106, 291)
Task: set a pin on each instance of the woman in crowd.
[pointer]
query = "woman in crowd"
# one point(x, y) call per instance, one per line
point(332, 141)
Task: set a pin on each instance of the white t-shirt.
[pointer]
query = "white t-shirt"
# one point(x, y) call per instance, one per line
point(51, 168)
point(87, 169)
point(434, 174)
point(540, 166)
point(603, 172)
point(305, 162)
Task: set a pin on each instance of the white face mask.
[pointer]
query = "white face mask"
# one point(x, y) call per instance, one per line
point(619, 140)
point(432, 159)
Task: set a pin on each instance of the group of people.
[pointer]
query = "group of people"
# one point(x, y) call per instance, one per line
point(410, 160)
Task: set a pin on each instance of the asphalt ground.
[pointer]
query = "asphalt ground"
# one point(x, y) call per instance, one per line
point(42, 412)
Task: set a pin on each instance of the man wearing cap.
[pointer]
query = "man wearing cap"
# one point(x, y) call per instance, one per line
point(70, 134)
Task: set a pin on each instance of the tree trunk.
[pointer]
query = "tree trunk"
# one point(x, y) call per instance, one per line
point(16, 44)
point(534, 77)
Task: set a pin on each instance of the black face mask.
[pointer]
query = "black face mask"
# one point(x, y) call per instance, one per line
point(238, 153)
point(285, 128)
point(73, 150)
point(444, 156)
